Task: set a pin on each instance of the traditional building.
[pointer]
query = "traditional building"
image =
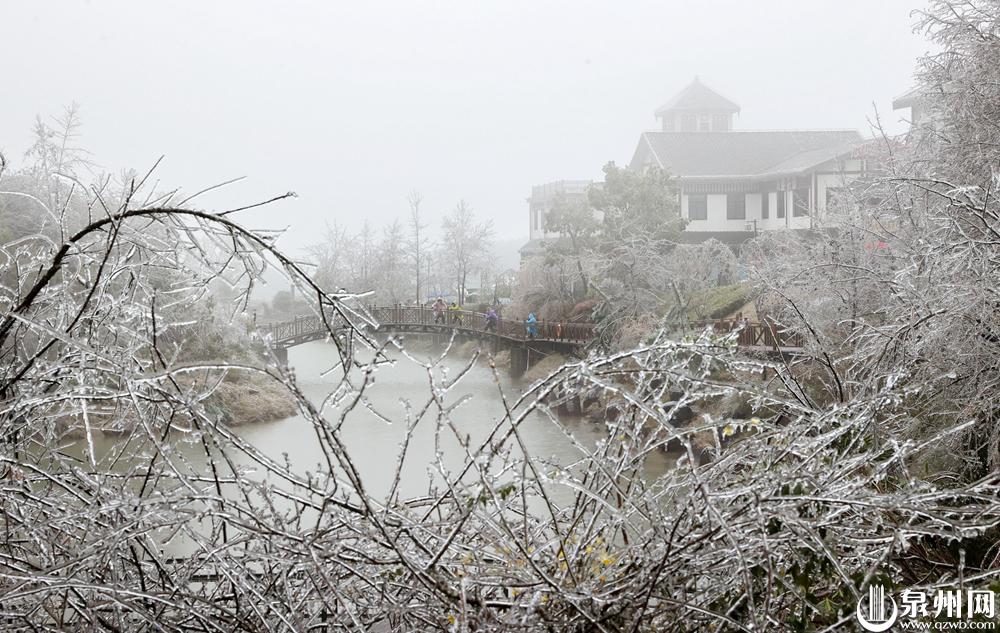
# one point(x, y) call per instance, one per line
point(734, 183)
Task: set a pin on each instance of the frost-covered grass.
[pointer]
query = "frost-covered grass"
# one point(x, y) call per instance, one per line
point(719, 302)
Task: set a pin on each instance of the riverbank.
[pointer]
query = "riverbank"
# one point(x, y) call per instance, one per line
point(243, 398)
point(251, 398)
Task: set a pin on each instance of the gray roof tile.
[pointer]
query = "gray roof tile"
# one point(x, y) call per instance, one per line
point(744, 153)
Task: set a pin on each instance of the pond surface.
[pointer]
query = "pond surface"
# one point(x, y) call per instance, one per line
point(374, 440)
point(375, 443)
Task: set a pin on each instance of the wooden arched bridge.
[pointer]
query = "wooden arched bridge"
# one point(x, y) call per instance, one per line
point(526, 344)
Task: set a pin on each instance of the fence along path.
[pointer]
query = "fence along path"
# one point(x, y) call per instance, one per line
point(755, 335)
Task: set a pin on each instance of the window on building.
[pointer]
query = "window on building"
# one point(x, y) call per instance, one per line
point(800, 200)
point(687, 123)
point(781, 205)
point(697, 206)
point(736, 206)
point(720, 122)
point(704, 123)
point(765, 205)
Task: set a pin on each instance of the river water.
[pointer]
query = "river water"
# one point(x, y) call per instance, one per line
point(374, 443)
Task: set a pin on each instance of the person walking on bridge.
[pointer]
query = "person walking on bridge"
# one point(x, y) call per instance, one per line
point(491, 320)
point(456, 314)
point(439, 307)
point(531, 325)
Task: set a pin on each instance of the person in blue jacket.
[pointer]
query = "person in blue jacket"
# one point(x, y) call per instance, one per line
point(531, 324)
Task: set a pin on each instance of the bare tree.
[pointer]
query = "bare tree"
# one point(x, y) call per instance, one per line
point(331, 257)
point(417, 243)
point(57, 161)
point(393, 284)
point(464, 245)
point(364, 260)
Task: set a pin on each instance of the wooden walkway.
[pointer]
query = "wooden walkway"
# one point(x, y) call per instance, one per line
point(753, 337)
point(302, 329)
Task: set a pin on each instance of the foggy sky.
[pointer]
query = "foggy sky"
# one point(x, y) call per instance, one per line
point(352, 105)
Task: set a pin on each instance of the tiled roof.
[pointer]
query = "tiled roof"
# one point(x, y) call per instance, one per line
point(741, 153)
point(698, 96)
point(805, 160)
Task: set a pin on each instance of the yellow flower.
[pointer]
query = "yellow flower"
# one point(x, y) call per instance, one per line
point(728, 430)
point(607, 559)
point(451, 619)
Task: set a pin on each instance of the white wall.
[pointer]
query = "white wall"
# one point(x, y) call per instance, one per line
point(753, 208)
point(717, 220)
point(772, 222)
point(828, 176)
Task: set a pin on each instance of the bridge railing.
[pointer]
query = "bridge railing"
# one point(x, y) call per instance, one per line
point(297, 327)
point(469, 320)
point(754, 333)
